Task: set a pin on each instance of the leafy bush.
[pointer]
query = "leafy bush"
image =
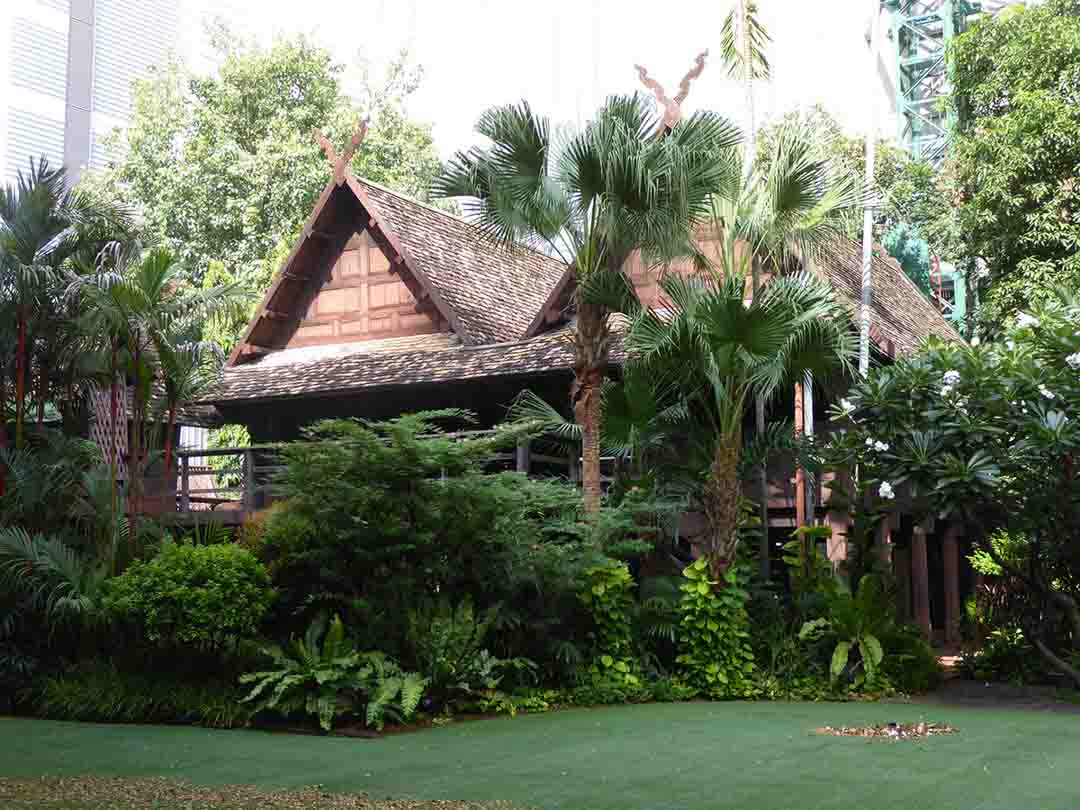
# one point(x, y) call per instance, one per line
point(329, 678)
point(198, 595)
point(910, 664)
point(715, 654)
point(98, 691)
point(1008, 657)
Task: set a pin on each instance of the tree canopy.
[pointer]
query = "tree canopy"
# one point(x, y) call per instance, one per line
point(1016, 88)
point(224, 168)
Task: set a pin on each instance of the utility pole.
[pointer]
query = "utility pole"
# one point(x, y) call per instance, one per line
point(871, 198)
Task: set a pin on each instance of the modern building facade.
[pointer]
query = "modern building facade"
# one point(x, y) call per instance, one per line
point(66, 69)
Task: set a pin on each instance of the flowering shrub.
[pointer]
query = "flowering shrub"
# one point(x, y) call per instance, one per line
point(988, 435)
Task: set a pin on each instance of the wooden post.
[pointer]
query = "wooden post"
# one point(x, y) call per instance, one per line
point(249, 480)
point(884, 547)
point(920, 578)
point(522, 456)
point(902, 571)
point(185, 484)
point(951, 565)
point(800, 473)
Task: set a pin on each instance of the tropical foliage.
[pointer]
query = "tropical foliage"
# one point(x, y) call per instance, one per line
point(592, 198)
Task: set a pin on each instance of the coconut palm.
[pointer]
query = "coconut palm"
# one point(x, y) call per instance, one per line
point(721, 352)
point(592, 198)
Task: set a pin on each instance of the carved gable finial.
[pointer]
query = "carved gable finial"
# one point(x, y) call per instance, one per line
point(672, 107)
point(339, 165)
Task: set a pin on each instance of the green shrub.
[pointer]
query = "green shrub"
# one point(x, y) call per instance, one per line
point(609, 597)
point(910, 664)
point(98, 691)
point(326, 677)
point(1007, 657)
point(715, 655)
point(198, 595)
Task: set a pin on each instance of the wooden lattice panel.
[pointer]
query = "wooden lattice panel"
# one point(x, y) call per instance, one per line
point(102, 431)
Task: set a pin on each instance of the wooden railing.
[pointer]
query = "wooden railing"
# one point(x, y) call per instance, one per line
point(229, 492)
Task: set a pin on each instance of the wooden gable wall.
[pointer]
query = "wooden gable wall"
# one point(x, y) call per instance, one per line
point(645, 282)
point(363, 300)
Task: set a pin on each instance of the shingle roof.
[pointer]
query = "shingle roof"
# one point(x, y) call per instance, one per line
point(901, 316)
point(394, 361)
point(494, 291)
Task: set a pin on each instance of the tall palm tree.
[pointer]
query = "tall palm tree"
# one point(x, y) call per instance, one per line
point(788, 209)
point(721, 352)
point(592, 198)
point(743, 39)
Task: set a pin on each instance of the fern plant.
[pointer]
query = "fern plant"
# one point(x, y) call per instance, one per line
point(329, 678)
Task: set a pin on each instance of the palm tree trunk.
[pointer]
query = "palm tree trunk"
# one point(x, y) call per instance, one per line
point(591, 351)
point(3, 427)
point(721, 496)
point(20, 380)
point(114, 401)
point(169, 439)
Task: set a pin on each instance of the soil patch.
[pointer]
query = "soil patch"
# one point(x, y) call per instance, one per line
point(894, 732)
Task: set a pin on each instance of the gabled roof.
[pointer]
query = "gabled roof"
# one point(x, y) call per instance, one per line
point(486, 293)
point(901, 316)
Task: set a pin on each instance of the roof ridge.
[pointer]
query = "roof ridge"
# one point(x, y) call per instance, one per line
point(459, 219)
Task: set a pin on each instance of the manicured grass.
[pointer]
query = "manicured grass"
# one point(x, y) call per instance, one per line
point(695, 755)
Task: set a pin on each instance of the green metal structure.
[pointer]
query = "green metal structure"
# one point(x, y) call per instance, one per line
point(921, 31)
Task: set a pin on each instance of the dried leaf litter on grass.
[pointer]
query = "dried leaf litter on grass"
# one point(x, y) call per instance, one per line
point(111, 793)
point(890, 731)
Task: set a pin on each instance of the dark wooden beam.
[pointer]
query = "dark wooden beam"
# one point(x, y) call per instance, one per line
point(320, 234)
point(255, 348)
point(275, 315)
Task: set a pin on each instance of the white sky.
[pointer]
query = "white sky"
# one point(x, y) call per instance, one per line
point(564, 56)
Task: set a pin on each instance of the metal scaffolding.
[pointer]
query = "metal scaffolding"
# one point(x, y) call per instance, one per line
point(921, 31)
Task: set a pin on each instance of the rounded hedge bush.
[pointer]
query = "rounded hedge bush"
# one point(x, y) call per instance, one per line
point(200, 595)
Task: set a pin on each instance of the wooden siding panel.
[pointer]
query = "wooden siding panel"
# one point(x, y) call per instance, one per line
point(363, 300)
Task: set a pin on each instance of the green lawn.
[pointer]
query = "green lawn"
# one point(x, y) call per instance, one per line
point(695, 755)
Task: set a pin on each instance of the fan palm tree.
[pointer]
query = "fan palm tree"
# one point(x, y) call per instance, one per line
point(788, 209)
point(720, 352)
point(591, 199)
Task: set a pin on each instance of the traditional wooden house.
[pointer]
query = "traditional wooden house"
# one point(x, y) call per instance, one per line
point(388, 305)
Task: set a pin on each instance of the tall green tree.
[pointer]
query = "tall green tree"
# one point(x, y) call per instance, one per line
point(225, 167)
point(592, 198)
point(1016, 156)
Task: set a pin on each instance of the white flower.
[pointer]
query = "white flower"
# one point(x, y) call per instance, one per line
point(1010, 345)
point(881, 447)
point(975, 341)
point(983, 271)
point(951, 377)
point(1074, 361)
point(946, 390)
point(869, 442)
point(846, 406)
point(1023, 320)
point(886, 491)
point(1046, 392)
